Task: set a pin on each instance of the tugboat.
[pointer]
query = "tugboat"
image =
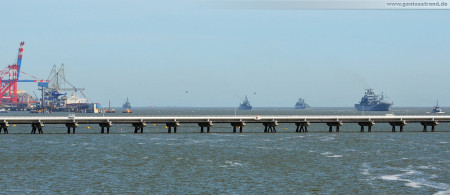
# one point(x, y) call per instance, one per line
point(437, 109)
point(245, 105)
point(371, 102)
point(109, 110)
point(126, 107)
point(301, 104)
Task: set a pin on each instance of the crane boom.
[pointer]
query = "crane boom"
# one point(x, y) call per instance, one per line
point(19, 58)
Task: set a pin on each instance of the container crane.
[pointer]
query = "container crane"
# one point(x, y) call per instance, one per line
point(9, 77)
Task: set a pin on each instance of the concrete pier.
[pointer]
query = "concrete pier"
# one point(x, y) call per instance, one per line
point(270, 127)
point(401, 124)
point(336, 124)
point(139, 126)
point(174, 125)
point(206, 122)
point(238, 124)
point(4, 126)
point(71, 125)
point(431, 123)
point(302, 126)
point(106, 125)
point(366, 124)
point(37, 126)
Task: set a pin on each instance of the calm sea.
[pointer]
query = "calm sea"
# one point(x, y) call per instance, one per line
point(318, 162)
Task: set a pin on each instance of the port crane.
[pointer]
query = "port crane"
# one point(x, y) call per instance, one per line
point(10, 77)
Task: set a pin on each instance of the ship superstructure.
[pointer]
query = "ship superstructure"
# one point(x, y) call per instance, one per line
point(126, 107)
point(437, 109)
point(301, 104)
point(245, 105)
point(372, 102)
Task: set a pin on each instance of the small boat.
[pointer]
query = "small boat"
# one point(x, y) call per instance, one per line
point(109, 110)
point(245, 105)
point(4, 110)
point(126, 107)
point(437, 109)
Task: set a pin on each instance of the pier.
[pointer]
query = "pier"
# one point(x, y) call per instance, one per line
point(268, 123)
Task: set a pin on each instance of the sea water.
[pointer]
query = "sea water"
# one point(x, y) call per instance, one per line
point(253, 162)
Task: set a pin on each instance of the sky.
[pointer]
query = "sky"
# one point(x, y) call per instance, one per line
point(181, 53)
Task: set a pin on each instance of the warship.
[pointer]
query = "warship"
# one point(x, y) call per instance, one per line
point(126, 107)
point(371, 102)
point(245, 105)
point(437, 109)
point(301, 104)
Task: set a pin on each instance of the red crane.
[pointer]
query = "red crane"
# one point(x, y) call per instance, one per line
point(9, 77)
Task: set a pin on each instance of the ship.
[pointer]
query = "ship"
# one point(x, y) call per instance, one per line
point(301, 104)
point(126, 107)
point(372, 102)
point(437, 109)
point(4, 110)
point(245, 105)
point(109, 110)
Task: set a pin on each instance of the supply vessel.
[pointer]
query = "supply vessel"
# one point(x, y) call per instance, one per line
point(372, 102)
point(301, 104)
point(245, 105)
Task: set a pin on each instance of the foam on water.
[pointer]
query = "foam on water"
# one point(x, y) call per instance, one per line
point(446, 192)
point(415, 179)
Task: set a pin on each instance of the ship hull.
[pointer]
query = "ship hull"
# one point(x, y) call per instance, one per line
point(245, 108)
point(375, 107)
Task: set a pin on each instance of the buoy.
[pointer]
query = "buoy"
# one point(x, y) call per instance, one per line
point(88, 127)
point(14, 125)
point(154, 125)
point(166, 127)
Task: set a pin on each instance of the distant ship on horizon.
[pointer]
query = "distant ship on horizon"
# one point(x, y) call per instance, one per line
point(301, 104)
point(126, 107)
point(371, 102)
point(245, 105)
point(437, 109)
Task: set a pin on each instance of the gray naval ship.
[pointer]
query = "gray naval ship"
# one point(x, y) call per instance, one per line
point(371, 102)
point(245, 105)
point(301, 104)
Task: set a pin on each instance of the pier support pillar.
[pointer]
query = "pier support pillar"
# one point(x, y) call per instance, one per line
point(139, 127)
point(368, 124)
point(270, 127)
point(302, 127)
point(37, 126)
point(4, 126)
point(71, 125)
point(401, 124)
point(429, 123)
point(334, 124)
point(106, 125)
point(207, 124)
point(236, 125)
point(174, 125)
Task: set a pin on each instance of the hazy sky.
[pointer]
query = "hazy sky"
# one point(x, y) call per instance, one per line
point(155, 51)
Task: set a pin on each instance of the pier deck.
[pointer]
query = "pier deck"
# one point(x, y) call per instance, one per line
point(270, 122)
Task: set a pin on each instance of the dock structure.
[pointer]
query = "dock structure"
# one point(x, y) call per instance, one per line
point(269, 122)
